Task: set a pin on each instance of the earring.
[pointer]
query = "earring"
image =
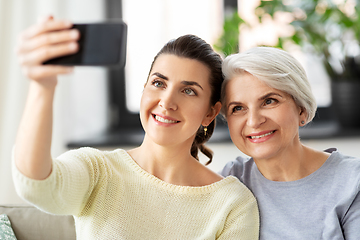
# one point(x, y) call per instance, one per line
point(205, 130)
point(302, 122)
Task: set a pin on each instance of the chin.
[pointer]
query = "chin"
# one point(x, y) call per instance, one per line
point(261, 153)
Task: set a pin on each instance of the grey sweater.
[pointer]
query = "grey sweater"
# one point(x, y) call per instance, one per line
point(323, 205)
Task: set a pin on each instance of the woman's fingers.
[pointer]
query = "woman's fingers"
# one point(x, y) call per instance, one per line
point(44, 53)
point(48, 39)
point(43, 41)
point(46, 26)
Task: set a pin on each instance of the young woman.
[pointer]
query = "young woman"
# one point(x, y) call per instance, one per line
point(158, 190)
point(302, 193)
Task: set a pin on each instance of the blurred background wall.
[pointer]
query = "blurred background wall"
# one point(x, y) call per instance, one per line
point(78, 94)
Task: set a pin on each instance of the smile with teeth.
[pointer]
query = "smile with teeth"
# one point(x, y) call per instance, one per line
point(263, 135)
point(163, 120)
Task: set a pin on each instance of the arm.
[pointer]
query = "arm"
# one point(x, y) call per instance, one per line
point(243, 220)
point(242, 224)
point(48, 39)
point(351, 222)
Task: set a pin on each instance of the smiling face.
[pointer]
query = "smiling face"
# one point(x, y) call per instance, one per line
point(263, 121)
point(176, 100)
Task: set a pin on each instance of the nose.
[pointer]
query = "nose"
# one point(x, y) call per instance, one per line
point(255, 118)
point(168, 101)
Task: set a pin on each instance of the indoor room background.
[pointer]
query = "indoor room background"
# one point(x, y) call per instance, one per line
point(97, 106)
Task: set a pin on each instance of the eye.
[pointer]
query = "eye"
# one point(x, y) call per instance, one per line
point(270, 101)
point(190, 92)
point(157, 83)
point(236, 109)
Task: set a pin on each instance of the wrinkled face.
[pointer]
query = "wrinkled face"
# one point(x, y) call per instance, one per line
point(176, 100)
point(263, 121)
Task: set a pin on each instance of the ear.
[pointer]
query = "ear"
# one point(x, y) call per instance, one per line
point(212, 113)
point(302, 116)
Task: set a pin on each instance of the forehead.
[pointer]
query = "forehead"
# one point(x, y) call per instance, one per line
point(175, 67)
point(246, 88)
point(245, 84)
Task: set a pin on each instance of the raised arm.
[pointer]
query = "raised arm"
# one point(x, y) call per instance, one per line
point(48, 39)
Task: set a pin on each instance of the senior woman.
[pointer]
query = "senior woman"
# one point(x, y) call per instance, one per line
point(302, 193)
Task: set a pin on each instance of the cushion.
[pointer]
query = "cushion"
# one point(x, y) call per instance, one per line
point(29, 223)
point(6, 231)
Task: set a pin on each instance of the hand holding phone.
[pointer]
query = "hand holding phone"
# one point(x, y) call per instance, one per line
point(48, 38)
point(100, 44)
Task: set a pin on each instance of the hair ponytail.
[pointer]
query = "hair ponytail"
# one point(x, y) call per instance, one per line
point(199, 142)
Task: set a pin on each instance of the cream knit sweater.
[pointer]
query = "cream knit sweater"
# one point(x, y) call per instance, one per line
point(111, 197)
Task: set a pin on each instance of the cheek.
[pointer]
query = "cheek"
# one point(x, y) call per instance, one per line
point(288, 119)
point(196, 107)
point(146, 103)
point(146, 99)
point(195, 116)
point(235, 128)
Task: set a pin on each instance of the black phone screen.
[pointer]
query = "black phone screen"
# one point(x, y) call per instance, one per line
point(100, 44)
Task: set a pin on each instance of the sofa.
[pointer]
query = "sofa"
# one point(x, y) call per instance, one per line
point(29, 223)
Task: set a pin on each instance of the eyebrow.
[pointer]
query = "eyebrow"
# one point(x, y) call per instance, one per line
point(191, 83)
point(187, 83)
point(233, 103)
point(160, 75)
point(269, 95)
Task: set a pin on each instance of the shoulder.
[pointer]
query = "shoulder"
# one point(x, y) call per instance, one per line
point(242, 206)
point(92, 154)
point(343, 162)
point(345, 165)
point(228, 189)
point(237, 167)
point(92, 158)
point(233, 194)
point(234, 185)
point(344, 172)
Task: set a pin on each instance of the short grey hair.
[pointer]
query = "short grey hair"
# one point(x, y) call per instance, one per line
point(276, 68)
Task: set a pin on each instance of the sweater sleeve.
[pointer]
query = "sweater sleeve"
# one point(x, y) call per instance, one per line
point(243, 220)
point(66, 191)
point(351, 221)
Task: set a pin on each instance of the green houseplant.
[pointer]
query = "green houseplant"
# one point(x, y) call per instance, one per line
point(331, 30)
point(228, 43)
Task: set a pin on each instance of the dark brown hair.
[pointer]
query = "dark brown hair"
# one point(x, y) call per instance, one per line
point(193, 47)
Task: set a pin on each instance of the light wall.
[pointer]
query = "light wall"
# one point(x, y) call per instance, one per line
point(79, 96)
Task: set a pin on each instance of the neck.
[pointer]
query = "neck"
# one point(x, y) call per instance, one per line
point(291, 165)
point(168, 163)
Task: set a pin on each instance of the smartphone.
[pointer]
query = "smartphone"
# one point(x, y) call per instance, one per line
point(100, 44)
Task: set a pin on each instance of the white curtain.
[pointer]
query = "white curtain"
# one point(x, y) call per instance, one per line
point(79, 96)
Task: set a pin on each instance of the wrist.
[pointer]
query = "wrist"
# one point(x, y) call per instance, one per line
point(48, 84)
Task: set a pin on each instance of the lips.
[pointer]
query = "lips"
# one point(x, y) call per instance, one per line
point(261, 135)
point(163, 119)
